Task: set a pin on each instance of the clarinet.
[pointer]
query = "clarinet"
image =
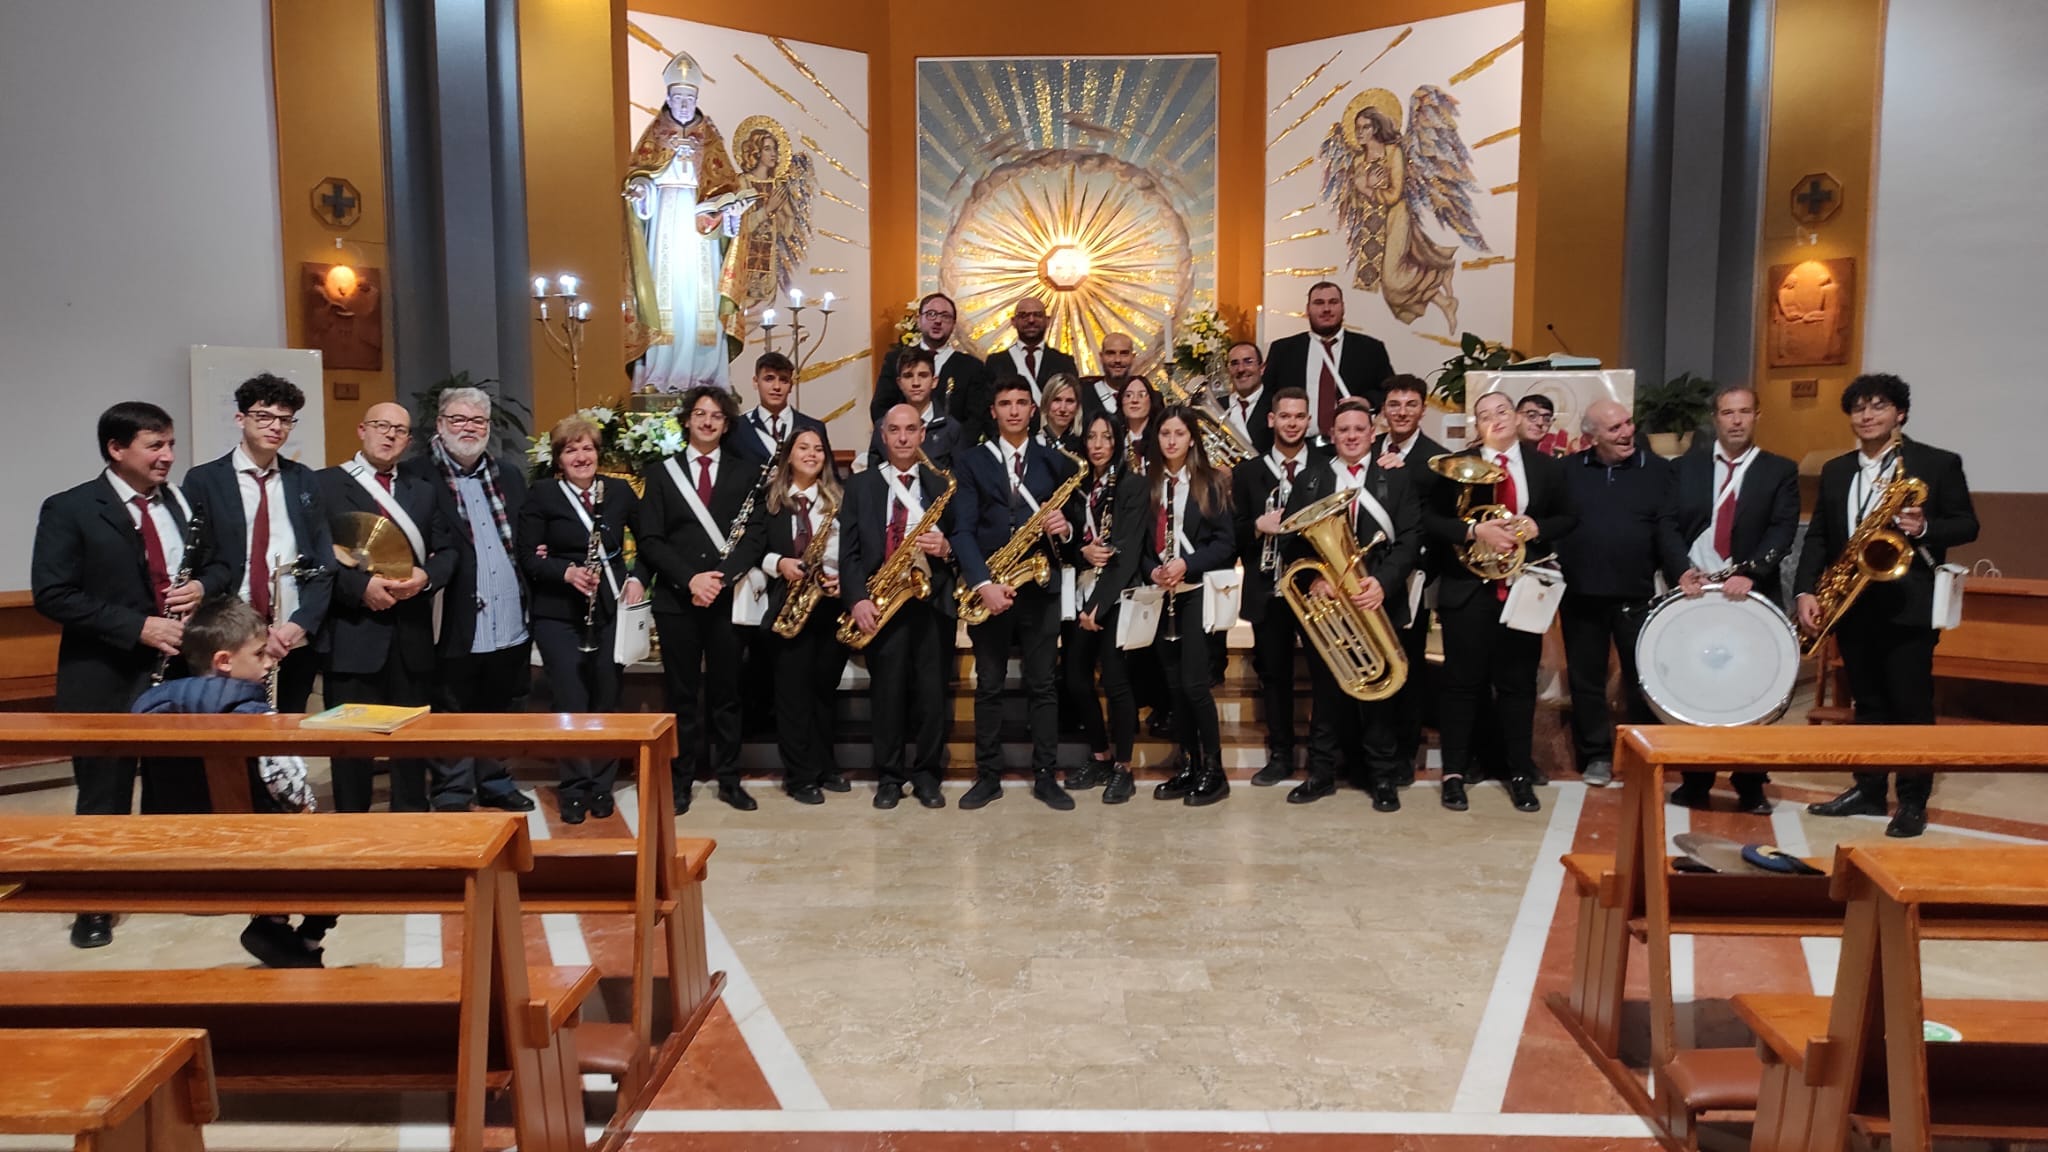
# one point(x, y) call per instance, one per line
point(746, 512)
point(184, 577)
point(593, 562)
point(1172, 550)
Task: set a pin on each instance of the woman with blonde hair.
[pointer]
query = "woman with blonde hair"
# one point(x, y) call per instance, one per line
point(1059, 414)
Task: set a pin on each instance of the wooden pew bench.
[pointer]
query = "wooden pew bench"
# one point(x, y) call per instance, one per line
point(110, 1089)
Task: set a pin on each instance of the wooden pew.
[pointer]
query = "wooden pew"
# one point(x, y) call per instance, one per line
point(463, 865)
point(651, 877)
point(1859, 1061)
point(110, 1089)
point(1636, 895)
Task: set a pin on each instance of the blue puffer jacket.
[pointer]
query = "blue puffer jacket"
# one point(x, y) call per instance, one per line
point(204, 696)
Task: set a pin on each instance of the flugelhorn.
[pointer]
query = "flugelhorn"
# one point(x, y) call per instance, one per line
point(1359, 646)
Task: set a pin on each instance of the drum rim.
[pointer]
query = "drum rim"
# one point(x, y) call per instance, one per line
point(1674, 716)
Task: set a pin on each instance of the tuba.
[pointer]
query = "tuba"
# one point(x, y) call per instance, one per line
point(899, 580)
point(1225, 447)
point(1361, 648)
point(1470, 471)
point(1875, 551)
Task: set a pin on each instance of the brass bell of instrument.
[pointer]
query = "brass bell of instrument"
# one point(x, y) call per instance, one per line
point(1469, 471)
point(1360, 647)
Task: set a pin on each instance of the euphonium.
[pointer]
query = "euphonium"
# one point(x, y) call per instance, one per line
point(1227, 449)
point(803, 595)
point(1875, 551)
point(1360, 647)
point(1481, 561)
point(1018, 562)
point(899, 580)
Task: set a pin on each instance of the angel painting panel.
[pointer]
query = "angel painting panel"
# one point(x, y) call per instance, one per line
point(1383, 182)
point(775, 232)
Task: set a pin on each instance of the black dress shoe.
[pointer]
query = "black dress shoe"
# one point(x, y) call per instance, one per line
point(1279, 766)
point(572, 810)
point(735, 794)
point(1687, 796)
point(682, 800)
point(807, 794)
point(888, 794)
point(92, 930)
point(1385, 797)
point(1522, 791)
point(928, 793)
point(1312, 789)
point(834, 782)
point(1177, 788)
point(1120, 787)
point(1752, 801)
point(602, 805)
point(275, 944)
point(1047, 791)
point(1091, 775)
point(1160, 723)
point(1909, 821)
point(1454, 793)
point(1854, 802)
point(986, 790)
point(504, 801)
point(1211, 785)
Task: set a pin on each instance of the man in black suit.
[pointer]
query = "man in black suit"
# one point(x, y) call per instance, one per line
point(377, 645)
point(1887, 637)
point(1002, 485)
point(910, 656)
point(1328, 362)
point(268, 526)
point(1343, 729)
point(1736, 505)
point(1404, 445)
point(1259, 489)
point(1030, 357)
point(685, 519)
point(105, 556)
point(1625, 539)
point(963, 381)
point(1103, 394)
point(760, 431)
point(1490, 669)
point(1250, 403)
point(943, 433)
point(485, 652)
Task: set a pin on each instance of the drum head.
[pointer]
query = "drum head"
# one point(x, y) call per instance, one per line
point(1717, 662)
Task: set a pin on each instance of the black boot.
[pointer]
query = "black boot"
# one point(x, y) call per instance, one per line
point(1183, 781)
point(987, 788)
point(1045, 788)
point(1120, 787)
point(1093, 774)
point(1211, 784)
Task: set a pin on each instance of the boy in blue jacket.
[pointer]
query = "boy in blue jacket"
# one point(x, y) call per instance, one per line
point(225, 642)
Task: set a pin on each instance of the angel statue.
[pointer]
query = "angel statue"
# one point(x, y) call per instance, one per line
point(1381, 183)
point(775, 230)
point(683, 206)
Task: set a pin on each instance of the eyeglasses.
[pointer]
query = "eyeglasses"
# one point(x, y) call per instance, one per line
point(387, 428)
point(477, 422)
point(270, 419)
point(935, 314)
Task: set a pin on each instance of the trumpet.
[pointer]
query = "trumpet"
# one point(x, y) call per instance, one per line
point(1360, 647)
point(183, 577)
point(1470, 471)
point(1269, 552)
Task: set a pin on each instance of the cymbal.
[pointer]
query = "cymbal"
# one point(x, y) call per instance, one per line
point(367, 541)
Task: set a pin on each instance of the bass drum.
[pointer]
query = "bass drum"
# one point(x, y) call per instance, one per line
point(1716, 662)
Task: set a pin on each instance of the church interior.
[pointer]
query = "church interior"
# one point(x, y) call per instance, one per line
point(1211, 576)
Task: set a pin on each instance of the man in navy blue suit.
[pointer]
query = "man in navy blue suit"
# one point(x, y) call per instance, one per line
point(1002, 485)
point(761, 430)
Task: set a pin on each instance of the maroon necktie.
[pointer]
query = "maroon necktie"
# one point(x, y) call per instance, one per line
point(1031, 362)
point(704, 481)
point(803, 522)
point(259, 545)
point(587, 505)
point(1355, 470)
point(899, 516)
point(153, 554)
point(1724, 516)
point(1326, 387)
point(384, 478)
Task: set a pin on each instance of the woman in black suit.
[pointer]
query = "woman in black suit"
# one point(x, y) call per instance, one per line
point(554, 541)
point(1140, 408)
point(1191, 535)
point(1061, 425)
point(801, 510)
point(1104, 551)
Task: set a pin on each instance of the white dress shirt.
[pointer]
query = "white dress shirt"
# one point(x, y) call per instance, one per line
point(284, 544)
point(818, 524)
point(1312, 377)
point(1701, 553)
point(1403, 448)
point(1868, 483)
point(763, 424)
point(1240, 408)
point(1515, 469)
point(164, 510)
point(1030, 377)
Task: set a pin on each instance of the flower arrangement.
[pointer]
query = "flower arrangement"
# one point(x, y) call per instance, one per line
point(907, 332)
point(1201, 341)
point(628, 441)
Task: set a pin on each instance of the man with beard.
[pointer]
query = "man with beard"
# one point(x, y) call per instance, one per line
point(1029, 356)
point(1100, 394)
point(961, 389)
point(1327, 361)
point(1250, 405)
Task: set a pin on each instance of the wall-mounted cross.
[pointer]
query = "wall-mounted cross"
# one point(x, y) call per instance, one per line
point(338, 201)
point(1815, 197)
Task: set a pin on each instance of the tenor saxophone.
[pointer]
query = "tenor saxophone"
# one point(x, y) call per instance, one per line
point(1018, 562)
point(803, 595)
point(899, 580)
point(1875, 551)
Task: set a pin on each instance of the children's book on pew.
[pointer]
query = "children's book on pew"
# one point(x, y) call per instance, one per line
point(365, 717)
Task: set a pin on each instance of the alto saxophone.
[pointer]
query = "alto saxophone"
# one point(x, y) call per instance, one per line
point(1875, 551)
point(1017, 562)
point(803, 595)
point(183, 577)
point(899, 580)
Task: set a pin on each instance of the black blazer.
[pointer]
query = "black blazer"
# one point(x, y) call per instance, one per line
point(1549, 504)
point(458, 606)
point(1766, 510)
point(1951, 520)
point(215, 487)
point(1212, 537)
point(770, 532)
point(672, 543)
point(984, 520)
point(1092, 403)
point(356, 641)
point(1051, 362)
point(864, 534)
point(550, 539)
point(1252, 485)
point(964, 392)
point(1128, 503)
point(1393, 560)
point(88, 574)
point(1256, 428)
point(943, 437)
point(1362, 367)
point(741, 438)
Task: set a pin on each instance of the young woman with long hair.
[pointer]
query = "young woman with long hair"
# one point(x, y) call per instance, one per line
point(1108, 543)
point(1191, 535)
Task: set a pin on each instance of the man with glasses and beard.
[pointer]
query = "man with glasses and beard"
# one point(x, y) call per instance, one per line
point(961, 382)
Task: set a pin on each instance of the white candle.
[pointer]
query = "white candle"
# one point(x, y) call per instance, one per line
point(583, 310)
point(768, 318)
point(540, 287)
point(568, 284)
point(796, 297)
point(827, 305)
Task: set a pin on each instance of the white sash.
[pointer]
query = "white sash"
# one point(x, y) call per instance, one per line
point(1379, 512)
point(913, 507)
point(995, 446)
point(366, 477)
point(576, 505)
point(689, 493)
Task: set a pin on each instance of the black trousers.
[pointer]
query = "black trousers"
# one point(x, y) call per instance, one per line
point(758, 708)
point(395, 683)
point(1032, 624)
point(1410, 702)
point(295, 679)
point(700, 656)
point(581, 682)
point(807, 671)
point(1489, 690)
point(1354, 735)
point(106, 784)
point(1273, 646)
point(1187, 664)
point(1590, 624)
point(1891, 681)
point(1084, 654)
point(908, 663)
point(479, 682)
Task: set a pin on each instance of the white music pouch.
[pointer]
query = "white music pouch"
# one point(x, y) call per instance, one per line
point(1070, 595)
point(1532, 600)
point(1137, 618)
point(750, 599)
point(1221, 591)
point(1949, 581)
point(635, 637)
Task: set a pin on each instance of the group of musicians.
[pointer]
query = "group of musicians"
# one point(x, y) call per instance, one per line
point(1018, 498)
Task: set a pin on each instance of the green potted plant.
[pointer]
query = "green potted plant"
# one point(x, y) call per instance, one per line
point(1672, 411)
point(1474, 355)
